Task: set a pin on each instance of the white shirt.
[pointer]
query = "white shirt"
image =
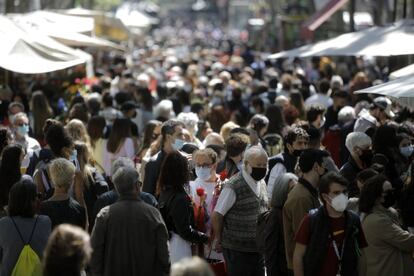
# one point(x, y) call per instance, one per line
point(208, 188)
point(126, 150)
point(319, 99)
point(228, 197)
point(275, 176)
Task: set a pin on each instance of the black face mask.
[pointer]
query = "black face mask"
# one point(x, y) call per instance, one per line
point(389, 199)
point(297, 153)
point(258, 173)
point(366, 157)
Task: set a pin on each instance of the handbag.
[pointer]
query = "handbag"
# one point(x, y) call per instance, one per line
point(218, 266)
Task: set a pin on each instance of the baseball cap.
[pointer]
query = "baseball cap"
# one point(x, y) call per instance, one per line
point(384, 104)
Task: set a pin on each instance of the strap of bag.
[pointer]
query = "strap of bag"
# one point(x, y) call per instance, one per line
point(20, 234)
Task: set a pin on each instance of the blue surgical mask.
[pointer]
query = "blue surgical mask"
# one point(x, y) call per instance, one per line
point(203, 173)
point(407, 151)
point(23, 130)
point(178, 144)
point(74, 156)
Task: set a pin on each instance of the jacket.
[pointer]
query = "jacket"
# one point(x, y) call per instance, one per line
point(389, 246)
point(350, 170)
point(301, 199)
point(129, 238)
point(178, 213)
point(317, 248)
point(152, 171)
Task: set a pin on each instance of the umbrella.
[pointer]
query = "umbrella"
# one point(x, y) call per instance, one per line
point(392, 40)
point(33, 52)
point(401, 89)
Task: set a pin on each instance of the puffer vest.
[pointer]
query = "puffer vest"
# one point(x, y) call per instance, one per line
point(318, 245)
point(239, 229)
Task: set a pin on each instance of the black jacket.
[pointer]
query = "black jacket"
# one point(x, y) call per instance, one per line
point(152, 171)
point(350, 170)
point(177, 210)
point(317, 247)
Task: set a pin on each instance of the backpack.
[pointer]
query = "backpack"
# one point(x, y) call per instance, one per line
point(28, 263)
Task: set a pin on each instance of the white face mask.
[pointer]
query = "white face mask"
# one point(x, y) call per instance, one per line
point(203, 173)
point(340, 202)
point(323, 121)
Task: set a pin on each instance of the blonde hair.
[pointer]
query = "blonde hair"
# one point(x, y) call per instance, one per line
point(62, 172)
point(227, 128)
point(77, 130)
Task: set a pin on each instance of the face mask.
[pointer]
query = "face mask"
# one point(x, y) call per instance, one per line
point(257, 173)
point(23, 130)
point(74, 156)
point(407, 151)
point(340, 202)
point(297, 152)
point(366, 157)
point(323, 121)
point(252, 110)
point(203, 173)
point(240, 165)
point(178, 144)
point(389, 199)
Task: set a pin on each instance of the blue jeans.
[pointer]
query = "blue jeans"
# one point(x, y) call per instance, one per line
point(243, 263)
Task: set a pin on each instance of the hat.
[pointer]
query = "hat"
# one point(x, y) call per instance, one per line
point(384, 104)
point(128, 105)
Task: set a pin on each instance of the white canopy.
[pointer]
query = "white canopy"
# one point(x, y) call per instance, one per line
point(393, 40)
point(33, 52)
point(401, 89)
point(132, 17)
point(69, 30)
point(405, 71)
point(106, 25)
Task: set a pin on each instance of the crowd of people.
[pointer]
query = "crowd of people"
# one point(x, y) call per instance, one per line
point(206, 150)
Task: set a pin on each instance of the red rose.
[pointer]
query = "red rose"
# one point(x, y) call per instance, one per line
point(201, 192)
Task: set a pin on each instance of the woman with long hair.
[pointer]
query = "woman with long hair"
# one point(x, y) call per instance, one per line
point(9, 170)
point(94, 183)
point(276, 120)
point(390, 246)
point(151, 133)
point(41, 111)
point(22, 226)
point(68, 251)
point(119, 144)
point(96, 128)
point(176, 206)
point(77, 130)
point(6, 138)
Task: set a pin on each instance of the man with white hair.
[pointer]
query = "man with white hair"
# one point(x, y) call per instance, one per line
point(360, 148)
point(61, 207)
point(129, 236)
point(20, 127)
point(242, 199)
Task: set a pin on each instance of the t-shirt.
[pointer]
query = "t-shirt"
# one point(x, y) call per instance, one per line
point(331, 262)
point(64, 211)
